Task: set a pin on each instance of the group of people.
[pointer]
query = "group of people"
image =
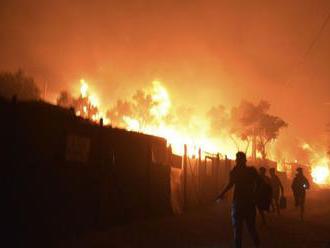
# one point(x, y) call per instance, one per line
point(269, 193)
point(253, 190)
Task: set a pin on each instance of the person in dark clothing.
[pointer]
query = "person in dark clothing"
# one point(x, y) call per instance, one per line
point(264, 194)
point(245, 179)
point(277, 188)
point(299, 186)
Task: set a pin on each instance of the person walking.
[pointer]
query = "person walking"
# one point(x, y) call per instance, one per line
point(245, 180)
point(264, 194)
point(278, 190)
point(299, 186)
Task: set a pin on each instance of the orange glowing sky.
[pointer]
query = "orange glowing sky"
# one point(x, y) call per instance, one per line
point(206, 52)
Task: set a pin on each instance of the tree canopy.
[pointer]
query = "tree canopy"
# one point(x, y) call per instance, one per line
point(82, 104)
point(248, 122)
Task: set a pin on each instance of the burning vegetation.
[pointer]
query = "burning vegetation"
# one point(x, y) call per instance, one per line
point(320, 162)
point(247, 127)
point(151, 111)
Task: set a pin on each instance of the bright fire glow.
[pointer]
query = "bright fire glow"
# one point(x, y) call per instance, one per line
point(194, 135)
point(94, 100)
point(90, 101)
point(83, 88)
point(321, 172)
point(160, 96)
point(193, 132)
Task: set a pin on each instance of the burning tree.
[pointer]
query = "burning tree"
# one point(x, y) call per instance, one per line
point(18, 84)
point(83, 105)
point(253, 123)
point(246, 124)
point(142, 110)
point(134, 112)
point(121, 109)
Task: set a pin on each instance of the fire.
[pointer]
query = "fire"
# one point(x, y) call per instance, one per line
point(151, 111)
point(83, 88)
point(162, 121)
point(319, 163)
point(89, 104)
point(321, 172)
point(132, 124)
point(160, 96)
point(177, 135)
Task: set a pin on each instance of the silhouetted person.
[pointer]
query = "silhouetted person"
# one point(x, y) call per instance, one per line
point(245, 179)
point(264, 194)
point(299, 186)
point(277, 188)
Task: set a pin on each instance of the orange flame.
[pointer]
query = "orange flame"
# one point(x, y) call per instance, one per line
point(321, 172)
point(195, 134)
point(90, 101)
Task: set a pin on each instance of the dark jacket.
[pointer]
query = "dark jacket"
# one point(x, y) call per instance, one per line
point(245, 179)
point(300, 184)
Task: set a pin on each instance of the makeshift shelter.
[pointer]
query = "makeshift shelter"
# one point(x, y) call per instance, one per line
point(64, 175)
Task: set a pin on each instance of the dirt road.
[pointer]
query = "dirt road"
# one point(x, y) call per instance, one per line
point(210, 228)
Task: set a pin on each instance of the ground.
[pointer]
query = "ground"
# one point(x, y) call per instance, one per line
point(210, 227)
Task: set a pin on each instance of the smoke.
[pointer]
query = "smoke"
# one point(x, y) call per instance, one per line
point(19, 85)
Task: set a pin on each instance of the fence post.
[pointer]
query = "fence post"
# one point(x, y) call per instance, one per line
point(217, 173)
point(185, 189)
point(199, 174)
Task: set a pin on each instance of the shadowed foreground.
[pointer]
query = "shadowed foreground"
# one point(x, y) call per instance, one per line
point(211, 227)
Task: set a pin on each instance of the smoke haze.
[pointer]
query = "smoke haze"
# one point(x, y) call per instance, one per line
point(205, 52)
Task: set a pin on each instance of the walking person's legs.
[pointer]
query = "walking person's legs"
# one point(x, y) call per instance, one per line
point(302, 206)
point(251, 226)
point(237, 222)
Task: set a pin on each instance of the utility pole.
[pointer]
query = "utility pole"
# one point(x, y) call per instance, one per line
point(199, 174)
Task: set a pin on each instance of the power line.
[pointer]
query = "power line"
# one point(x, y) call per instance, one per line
point(317, 37)
point(312, 45)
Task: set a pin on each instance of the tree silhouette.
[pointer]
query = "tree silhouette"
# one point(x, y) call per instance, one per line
point(138, 107)
point(19, 85)
point(65, 100)
point(82, 104)
point(118, 111)
point(253, 123)
point(245, 124)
